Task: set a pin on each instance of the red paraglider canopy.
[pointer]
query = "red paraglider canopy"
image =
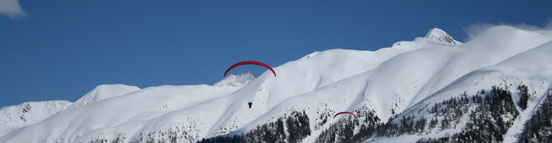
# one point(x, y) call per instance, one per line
point(249, 63)
point(345, 113)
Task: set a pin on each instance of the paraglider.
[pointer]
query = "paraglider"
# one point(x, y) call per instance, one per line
point(250, 63)
point(249, 103)
point(345, 113)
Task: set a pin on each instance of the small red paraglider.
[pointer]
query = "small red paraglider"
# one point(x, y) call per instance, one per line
point(345, 113)
point(249, 103)
point(250, 63)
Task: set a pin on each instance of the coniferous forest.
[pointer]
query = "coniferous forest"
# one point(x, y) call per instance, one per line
point(488, 115)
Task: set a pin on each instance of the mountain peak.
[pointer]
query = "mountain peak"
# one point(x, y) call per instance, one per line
point(439, 35)
point(236, 80)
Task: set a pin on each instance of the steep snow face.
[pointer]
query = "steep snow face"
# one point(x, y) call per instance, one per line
point(534, 62)
point(13, 117)
point(531, 68)
point(439, 35)
point(489, 48)
point(236, 80)
point(389, 81)
point(104, 91)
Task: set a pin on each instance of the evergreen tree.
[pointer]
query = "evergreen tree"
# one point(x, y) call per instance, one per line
point(539, 127)
point(523, 96)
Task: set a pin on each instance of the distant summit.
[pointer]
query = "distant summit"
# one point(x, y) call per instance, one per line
point(236, 80)
point(439, 35)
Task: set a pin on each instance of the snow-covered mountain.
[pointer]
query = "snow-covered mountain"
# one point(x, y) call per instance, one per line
point(24, 114)
point(431, 88)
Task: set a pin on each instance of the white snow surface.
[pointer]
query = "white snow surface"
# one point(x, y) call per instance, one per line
point(24, 114)
point(104, 91)
point(400, 78)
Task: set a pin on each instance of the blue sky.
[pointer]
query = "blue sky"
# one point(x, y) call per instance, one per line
point(61, 49)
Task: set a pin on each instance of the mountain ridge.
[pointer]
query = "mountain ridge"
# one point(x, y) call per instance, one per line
point(383, 85)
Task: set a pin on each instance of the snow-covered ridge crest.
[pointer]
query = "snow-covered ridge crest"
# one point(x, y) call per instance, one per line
point(439, 35)
point(310, 55)
point(104, 91)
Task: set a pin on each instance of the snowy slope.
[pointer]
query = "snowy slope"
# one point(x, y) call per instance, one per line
point(393, 81)
point(24, 114)
point(104, 91)
point(509, 73)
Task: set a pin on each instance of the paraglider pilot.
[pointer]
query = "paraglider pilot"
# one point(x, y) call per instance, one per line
point(249, 103)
